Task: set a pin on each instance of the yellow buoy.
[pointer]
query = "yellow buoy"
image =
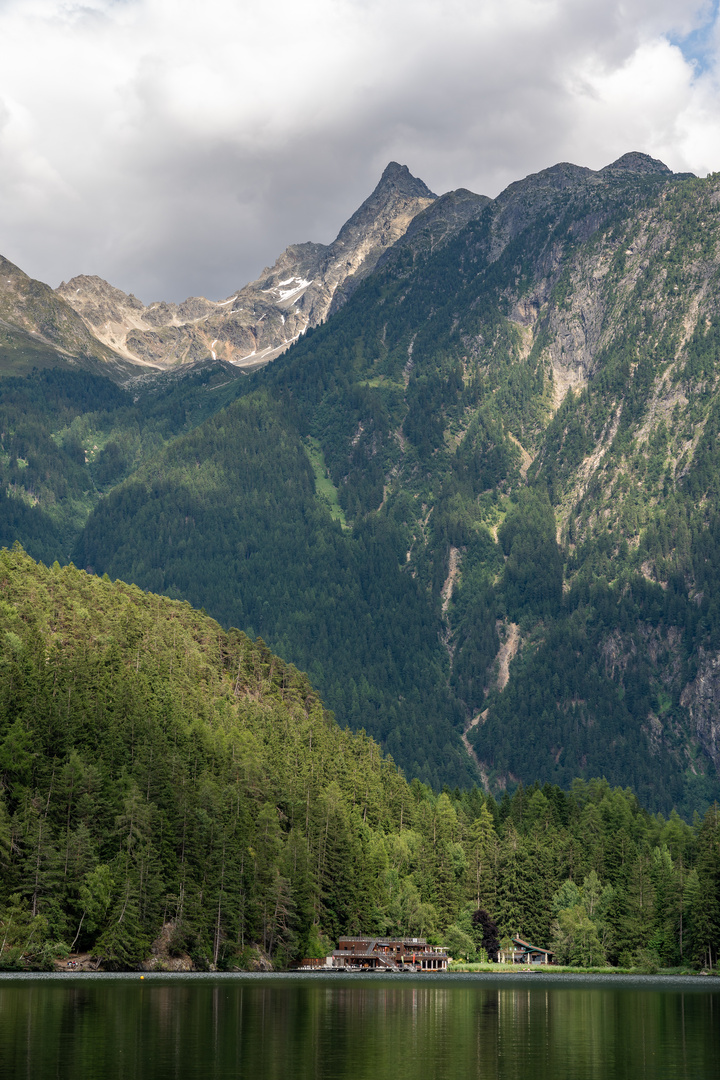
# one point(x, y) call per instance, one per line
point(142, 976)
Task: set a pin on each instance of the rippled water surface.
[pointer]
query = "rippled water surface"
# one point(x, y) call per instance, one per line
point(385, 1028)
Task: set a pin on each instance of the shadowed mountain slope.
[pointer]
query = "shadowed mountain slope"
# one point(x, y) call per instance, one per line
point(479, 501)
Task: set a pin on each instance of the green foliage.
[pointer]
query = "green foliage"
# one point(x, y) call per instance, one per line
point(532, 581)
point(346, 508)
point(227, 518)
point(581, 932)
point(165, 779)
point(585, 685)
point(576, 940)
point(459, 943)
point(68, 436)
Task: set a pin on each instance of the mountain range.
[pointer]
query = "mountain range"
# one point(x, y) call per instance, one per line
point(261, 319)
point(474, 494)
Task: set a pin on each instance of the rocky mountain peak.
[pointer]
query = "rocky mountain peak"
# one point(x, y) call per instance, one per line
point(398, 178)
point(398, 197)
point(263, 318)
point(635, 162)
point(37, 323)
point(441, 219)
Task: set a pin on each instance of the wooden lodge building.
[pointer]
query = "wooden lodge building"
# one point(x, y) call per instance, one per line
point(381, 954)
point(525, 953)
point(410, 954)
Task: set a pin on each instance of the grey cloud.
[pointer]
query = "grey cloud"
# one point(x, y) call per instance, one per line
point(172, 177)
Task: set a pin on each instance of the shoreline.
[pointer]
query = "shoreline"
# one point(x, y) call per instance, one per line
point(559, 969)
point(464, 973)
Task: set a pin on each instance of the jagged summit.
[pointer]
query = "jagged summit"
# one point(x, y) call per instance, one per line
point(401, 179)
point(566, 176)
point(262, 319)
point(310, 281)
point(635, 162)
point(388, 211)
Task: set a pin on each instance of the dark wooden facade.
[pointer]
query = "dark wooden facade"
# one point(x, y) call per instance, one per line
point(382, 954)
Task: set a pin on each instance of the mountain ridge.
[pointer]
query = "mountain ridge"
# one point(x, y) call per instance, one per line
point(508, 433)
point(307, 283)
point(266, 316)
point(39, 327)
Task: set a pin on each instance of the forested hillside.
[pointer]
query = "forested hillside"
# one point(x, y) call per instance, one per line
point(544, 388)
point(479, 502)
point(68, 436)
point(236, 527)
point(160, 773)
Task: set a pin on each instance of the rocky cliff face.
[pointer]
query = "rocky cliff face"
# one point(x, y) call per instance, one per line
point(265, 317)
point(35, 319)
point(701, 698)
point(438, 223)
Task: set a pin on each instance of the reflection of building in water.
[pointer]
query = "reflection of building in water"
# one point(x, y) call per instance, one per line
point(382, 954)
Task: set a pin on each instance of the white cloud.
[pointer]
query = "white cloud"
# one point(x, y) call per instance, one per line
point(177, 147)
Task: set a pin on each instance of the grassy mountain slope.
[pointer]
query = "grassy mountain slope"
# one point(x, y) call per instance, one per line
point(68, 436)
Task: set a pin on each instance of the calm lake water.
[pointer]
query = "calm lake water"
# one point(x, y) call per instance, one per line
point(273, 1027)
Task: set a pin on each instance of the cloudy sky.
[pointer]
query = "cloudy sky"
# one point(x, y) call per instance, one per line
point(175, 147)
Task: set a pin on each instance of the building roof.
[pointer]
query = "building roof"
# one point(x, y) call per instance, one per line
point(387, 940)
point(517, 940)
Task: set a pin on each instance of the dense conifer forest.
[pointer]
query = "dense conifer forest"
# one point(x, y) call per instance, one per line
point(478, 506)
point(159, 773)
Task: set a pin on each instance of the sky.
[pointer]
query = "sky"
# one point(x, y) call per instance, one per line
point(176, 147)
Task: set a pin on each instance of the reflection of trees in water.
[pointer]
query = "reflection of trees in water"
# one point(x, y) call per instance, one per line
point(364, 1028)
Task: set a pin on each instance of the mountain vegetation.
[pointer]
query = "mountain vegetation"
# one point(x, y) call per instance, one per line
point(69, 435)
point(477, 505)
point(159, 774)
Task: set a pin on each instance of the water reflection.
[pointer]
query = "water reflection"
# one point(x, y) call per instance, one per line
point(358, 1027)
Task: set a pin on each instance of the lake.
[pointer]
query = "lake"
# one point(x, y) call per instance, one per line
point(306, 1027)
